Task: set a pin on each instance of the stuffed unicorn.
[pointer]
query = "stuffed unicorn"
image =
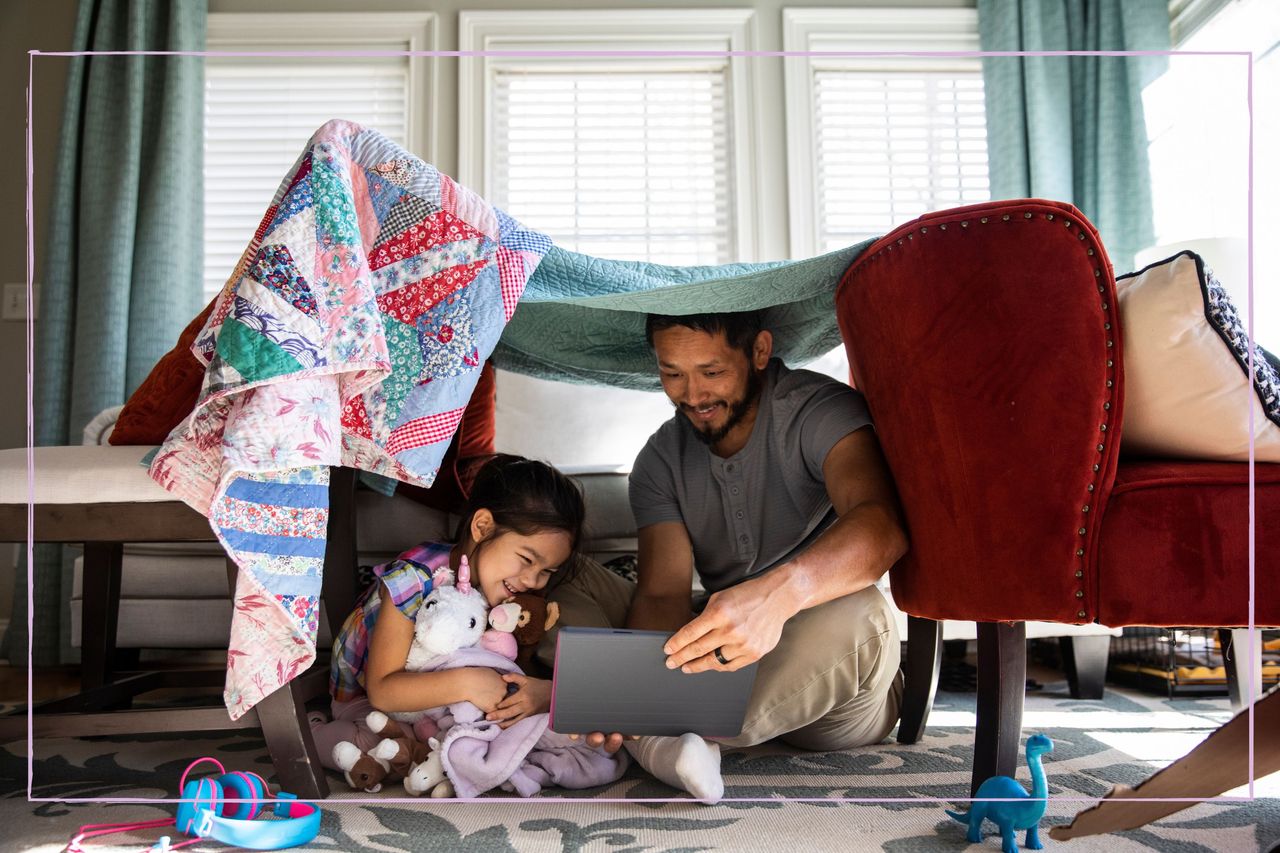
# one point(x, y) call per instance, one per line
point(451, 618)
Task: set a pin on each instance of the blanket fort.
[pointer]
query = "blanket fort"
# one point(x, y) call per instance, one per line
point(351, 333)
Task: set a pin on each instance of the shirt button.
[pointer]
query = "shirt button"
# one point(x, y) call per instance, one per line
point(729, 467)
point(735, 490)
point(738, 513)
point(743, 539)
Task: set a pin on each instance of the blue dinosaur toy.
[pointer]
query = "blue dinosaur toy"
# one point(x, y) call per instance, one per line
point(1011, 815)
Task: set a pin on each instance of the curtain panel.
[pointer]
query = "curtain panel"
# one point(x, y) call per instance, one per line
point(1071, 128)
point(123, 251)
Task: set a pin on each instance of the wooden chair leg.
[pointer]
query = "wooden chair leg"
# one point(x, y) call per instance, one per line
point(1242, 667)
point(1084, 660)
point(338, 590)
point(1002, 683)
point(924, 661)
point(283, 718)
point(100, 612)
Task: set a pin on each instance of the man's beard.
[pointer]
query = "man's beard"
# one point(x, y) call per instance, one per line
point(737, 411)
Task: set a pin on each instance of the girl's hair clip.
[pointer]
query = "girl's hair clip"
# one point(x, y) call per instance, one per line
point(464, 575)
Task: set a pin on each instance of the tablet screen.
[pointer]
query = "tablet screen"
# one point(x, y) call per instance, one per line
point(616, 680)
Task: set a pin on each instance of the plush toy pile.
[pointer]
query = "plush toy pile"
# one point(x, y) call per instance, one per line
point(454, 748)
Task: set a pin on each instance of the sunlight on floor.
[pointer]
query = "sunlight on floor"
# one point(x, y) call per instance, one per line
point(1102, 719)
point(1157, 738)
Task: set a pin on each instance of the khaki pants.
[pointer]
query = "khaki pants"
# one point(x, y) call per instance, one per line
point(832, 682)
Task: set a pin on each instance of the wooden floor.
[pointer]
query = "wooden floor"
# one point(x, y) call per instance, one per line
point(49, 683)
point(57, 682)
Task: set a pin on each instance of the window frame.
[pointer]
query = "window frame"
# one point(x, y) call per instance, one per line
point(830, 32)
point(482, 34)
point(392, 33)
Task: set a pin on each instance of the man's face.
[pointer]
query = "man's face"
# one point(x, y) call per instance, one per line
point(713, 384)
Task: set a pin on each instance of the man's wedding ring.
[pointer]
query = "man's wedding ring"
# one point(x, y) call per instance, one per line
point(720, 657)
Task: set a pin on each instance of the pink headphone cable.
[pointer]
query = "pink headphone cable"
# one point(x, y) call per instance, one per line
point(95, 829)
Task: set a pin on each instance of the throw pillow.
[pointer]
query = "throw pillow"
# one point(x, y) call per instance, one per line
point(167, 395)
point(1188, 392)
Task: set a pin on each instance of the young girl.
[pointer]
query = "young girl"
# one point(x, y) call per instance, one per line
point(520, 525)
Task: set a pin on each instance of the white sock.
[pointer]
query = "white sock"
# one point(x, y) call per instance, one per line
point(687, 762)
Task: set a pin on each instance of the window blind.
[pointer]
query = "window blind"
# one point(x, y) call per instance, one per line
point(625, 165)
point(251, 140)
point(892, 145)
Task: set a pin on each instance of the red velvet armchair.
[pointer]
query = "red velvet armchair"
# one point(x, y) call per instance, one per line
point(987, 341)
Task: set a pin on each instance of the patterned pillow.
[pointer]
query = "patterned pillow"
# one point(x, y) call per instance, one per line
point(1187, 388)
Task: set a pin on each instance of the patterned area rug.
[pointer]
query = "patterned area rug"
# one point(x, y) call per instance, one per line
point(1121, 739)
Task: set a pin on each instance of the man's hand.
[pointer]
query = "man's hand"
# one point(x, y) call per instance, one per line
point(532, 696)
point(744, 622)
point(611, 742)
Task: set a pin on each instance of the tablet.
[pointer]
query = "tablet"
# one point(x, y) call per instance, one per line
point(616, 680)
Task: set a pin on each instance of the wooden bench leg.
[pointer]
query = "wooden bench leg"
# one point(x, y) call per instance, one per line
point(1084, 660)
point(924, 661)
point(338, 590)
point(283, 718)
point(1002, 684)
point(100, 612)
point(1241, 667)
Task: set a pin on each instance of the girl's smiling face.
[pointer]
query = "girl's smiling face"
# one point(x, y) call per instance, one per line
point(506, 562)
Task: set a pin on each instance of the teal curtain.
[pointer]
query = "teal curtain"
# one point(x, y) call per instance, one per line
point(1071, 128)
point(123, 252)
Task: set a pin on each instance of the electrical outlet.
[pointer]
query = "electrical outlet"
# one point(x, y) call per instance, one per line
point(15, 301)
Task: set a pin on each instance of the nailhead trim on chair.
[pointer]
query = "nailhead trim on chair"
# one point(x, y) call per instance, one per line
point(1083, 236)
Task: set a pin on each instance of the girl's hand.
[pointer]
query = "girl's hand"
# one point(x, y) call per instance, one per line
point(487, 688)
point(533, 696)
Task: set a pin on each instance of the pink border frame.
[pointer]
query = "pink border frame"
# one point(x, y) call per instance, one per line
point(557, 801)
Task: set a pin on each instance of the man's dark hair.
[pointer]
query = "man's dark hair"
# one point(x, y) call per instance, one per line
point(740, 327)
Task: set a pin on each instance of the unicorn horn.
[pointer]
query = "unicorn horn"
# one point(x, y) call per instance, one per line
point(464, 575)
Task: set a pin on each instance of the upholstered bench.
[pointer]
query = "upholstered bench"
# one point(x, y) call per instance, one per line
point(100, 497)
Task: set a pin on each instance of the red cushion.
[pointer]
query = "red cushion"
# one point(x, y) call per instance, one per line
point(167, 395)
point(1174, 545)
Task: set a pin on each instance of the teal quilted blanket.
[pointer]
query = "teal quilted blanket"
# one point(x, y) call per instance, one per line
point(581, 319)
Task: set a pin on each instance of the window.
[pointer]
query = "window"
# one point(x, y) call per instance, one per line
point(894, 145)
point(874, 141)
point(632, 165)
point(252, 140)
point(633, 158)
point(877, 140)
point(627, 157)
point(1198, 117)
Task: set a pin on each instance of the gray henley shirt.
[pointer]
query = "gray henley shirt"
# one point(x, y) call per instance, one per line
point(768, 501)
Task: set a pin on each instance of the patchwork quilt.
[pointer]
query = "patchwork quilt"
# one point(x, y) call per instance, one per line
point(351, 333)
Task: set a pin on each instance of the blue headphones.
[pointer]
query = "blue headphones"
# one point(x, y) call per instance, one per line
point(205, 812)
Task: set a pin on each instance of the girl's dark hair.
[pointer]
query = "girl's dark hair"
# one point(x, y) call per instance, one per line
point(740, 327)
point(526, 496)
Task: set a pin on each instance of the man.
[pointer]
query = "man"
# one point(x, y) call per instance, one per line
point(770, 483)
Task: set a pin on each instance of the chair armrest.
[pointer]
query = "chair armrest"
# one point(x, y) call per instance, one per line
point(986, 341)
